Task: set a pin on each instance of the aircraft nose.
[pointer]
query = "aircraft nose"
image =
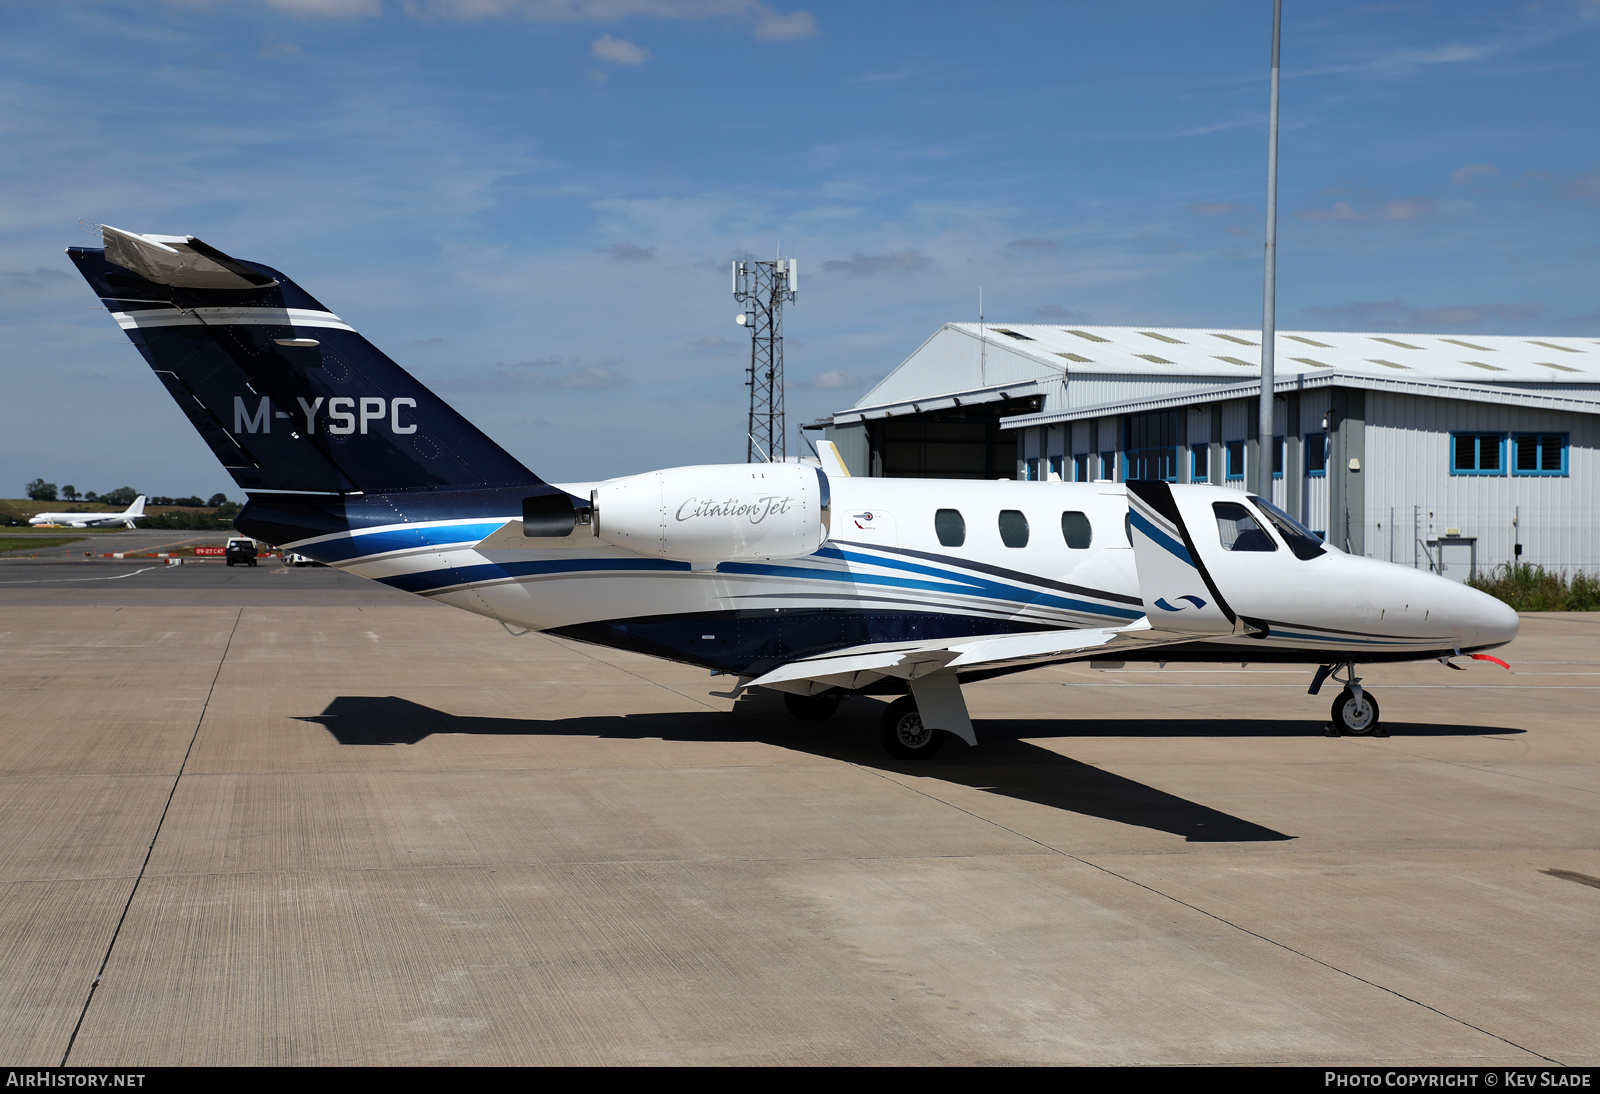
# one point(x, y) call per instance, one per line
point(1497, 621)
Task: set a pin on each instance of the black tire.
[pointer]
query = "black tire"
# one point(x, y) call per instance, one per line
point(812, 708)
point(903, 735)
point(1356, 719)
point(230, 562)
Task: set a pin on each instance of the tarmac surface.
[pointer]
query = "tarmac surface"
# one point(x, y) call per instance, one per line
point(100, 541)
point(291, 817)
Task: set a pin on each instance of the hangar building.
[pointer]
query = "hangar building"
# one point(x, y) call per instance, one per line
point(1424, 449)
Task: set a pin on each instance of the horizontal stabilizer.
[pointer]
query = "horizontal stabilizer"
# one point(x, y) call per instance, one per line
point(181, 261)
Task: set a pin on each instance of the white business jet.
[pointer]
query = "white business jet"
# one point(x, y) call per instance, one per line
point(788, 576)
point(92, 520)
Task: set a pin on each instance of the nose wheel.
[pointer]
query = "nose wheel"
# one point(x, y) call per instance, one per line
point(1355, 712)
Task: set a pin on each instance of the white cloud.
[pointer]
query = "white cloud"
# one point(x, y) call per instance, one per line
point(1451, 53)
point(767, 23)
point(1463, 176)
point(904, 261)
point(836, 379)
point(776, 27)
point(334, 9)
point(619, 50)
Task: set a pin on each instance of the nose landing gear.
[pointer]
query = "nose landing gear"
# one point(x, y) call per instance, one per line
point(1355, 711)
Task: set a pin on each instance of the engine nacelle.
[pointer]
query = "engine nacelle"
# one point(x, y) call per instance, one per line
point(716, 513)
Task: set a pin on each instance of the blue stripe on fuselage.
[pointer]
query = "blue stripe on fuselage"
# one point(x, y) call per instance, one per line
point(387, 540)
point(430, 580)
point(1160, 538)
point(427, 581)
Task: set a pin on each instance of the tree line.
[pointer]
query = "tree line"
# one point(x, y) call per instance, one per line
point(39, 490)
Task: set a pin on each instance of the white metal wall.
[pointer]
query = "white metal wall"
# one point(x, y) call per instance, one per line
point(1407, 474)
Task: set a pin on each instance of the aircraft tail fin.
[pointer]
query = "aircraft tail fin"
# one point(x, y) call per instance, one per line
point(285, 393)
point(137, 508)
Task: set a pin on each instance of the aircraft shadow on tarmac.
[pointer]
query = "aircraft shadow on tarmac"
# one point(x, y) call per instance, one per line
point(1007, 764)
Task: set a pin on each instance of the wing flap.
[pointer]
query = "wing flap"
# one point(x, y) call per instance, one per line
point(856, 666)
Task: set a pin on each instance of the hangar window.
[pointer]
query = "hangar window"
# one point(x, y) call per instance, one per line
point(1540, 454)
point(1150, 446)
point(1080, 467)
point(1057, 470)
point(1200, 463)
point(950, 527)
point(1012, 333)
point(1477, 454)
point(1239, 530)
point(1317, 455)
point(1013, 528)
point(1076, 531)
point(1235, 454)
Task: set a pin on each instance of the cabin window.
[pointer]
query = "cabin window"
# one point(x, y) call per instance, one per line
point(1239, 530)
point(1076, 531)
point(1013, 528)
point(950, 527)
point(1539, 454)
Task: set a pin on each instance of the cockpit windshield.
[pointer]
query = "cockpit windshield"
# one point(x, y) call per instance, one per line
point(1301, 540)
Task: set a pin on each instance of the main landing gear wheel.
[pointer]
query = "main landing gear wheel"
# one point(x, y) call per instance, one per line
point(1357, 717)
point(904, 736)
point(812, 708)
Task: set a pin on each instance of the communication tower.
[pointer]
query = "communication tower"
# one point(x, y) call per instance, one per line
point(763, 288)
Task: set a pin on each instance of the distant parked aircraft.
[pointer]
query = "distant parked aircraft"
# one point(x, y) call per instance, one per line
point(93, 520)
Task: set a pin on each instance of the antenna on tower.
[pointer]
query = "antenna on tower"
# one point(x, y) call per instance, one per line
point(763, 288)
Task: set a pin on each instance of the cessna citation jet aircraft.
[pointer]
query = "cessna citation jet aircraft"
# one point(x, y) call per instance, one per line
point(785, 575)
point(93, 520)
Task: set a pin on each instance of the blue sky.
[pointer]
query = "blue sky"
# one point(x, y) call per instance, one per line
point(532, 204)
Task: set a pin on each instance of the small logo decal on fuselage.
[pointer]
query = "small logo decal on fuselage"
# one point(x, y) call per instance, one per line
point(1164, 606)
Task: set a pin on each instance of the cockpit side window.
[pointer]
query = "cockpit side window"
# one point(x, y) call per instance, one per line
point(1239, 529)
point(1301, 540)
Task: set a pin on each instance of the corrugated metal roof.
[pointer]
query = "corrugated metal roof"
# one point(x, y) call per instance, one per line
point(952, 360)
point(1434, 388)
point(1184, 351)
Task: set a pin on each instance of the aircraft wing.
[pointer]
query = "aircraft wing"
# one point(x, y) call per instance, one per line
point(858, 666)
